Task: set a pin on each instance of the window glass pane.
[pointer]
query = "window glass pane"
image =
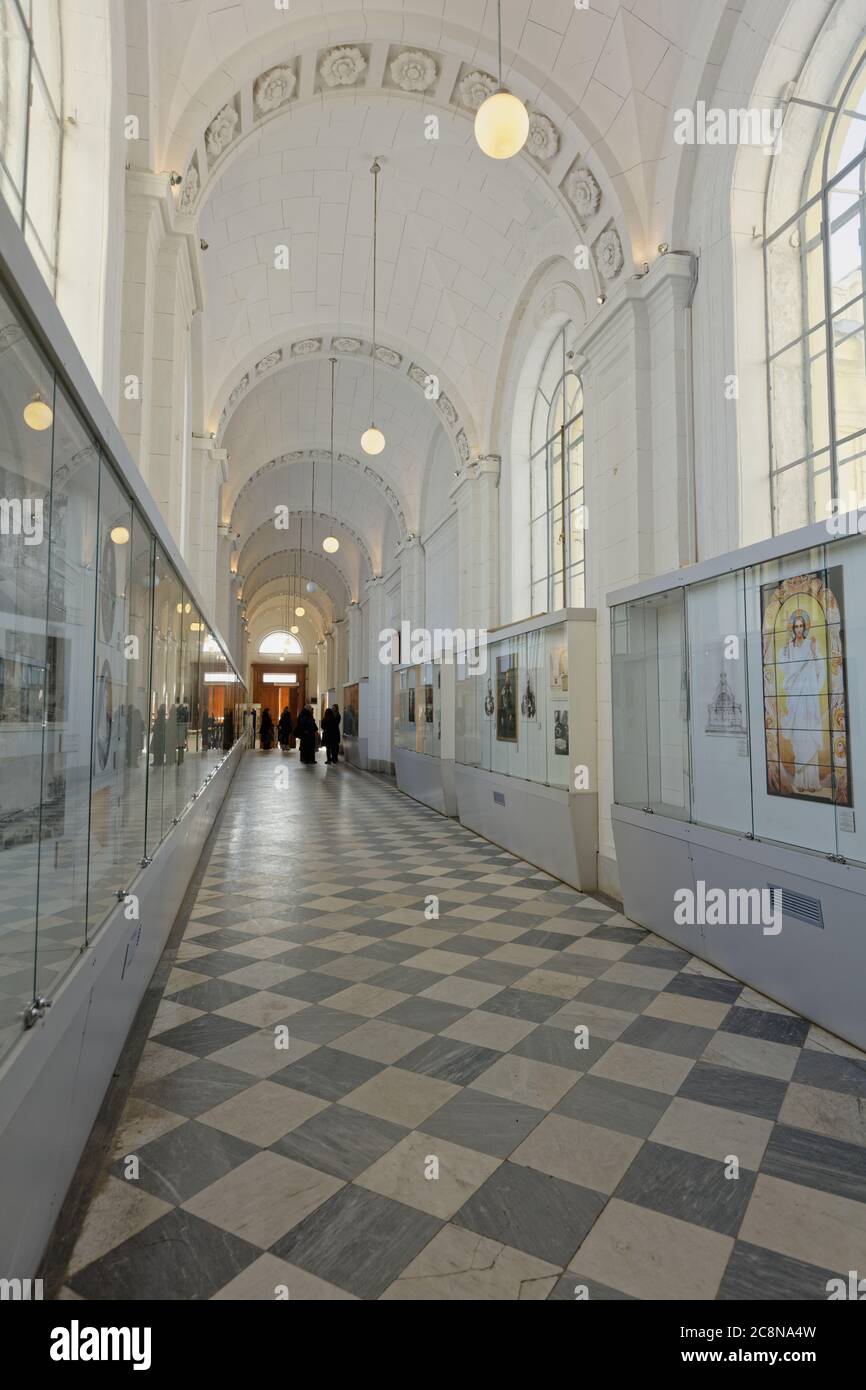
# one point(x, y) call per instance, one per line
point(14, 102)
point(849, 371)
point(721, 771)
point(25, 483)
point(852, 473)
point(67, 741)
point(187, 760)
point(793, 496)
point(161, 694)
point(43, 171)
point(798, 384)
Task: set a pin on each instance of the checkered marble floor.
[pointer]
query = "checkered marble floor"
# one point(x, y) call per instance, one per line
point(436, 1128)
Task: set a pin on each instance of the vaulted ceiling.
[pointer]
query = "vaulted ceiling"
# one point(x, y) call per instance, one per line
point(274, 116)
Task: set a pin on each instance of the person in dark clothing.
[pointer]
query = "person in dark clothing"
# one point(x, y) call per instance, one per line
point(306, 731)
point(266, 731)
point(331, 735)
point(157, 739)
point(339, 719)
point(284, 730)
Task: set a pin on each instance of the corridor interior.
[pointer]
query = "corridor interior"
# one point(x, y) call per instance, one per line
point(344, 1095)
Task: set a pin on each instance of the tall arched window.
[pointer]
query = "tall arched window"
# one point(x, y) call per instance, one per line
point(31, 122)
point(556, 481)
point(815, 279)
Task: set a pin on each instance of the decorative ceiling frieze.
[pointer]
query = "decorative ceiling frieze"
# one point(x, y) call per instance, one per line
point(413, 71)
point(342, 345)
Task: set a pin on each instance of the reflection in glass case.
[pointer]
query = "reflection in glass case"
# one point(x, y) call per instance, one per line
point(732, 700)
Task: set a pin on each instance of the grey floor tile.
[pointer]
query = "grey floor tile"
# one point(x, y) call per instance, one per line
point(340, 1141)
point(312, 988)
point(176, 1257)
point(213, 994)
point(832, 1073)
point(735, 1090)
point(523, 1003)
point(634, 1110)
point(179, 1164)
point(489, 1123)
point(531, 1211)
point(195, 1088)
point(705, 987)
point(814, 1160)
point(687, 1186)
point(557, 1045)
point(428, 1015)
point(756, 1023)
point(327, 1073)
point(628, 998)
point(567, 1287)
point(494, 972)
point(204, 1035)
point(755, 1273)
point(358, 1241)
point(446, 1059)
point(320, 1024)
point(406, 980)
point(683, 1039)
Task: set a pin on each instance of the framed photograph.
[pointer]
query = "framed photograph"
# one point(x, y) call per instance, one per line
point(559, 668)
point(428, 704)
point(529, 700)
point(805, 689)
point(560, 732)
point(412, 704)
point(507, 673)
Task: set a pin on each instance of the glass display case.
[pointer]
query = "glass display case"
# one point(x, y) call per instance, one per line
point(732, 700)
point(115, 700)
point(418, 708)
point(525, 742)
point(513, 706)
point(739, 758)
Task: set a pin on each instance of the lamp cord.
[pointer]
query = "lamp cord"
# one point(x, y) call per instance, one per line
point(499, 29)
point(375, 172)
point(333, 370)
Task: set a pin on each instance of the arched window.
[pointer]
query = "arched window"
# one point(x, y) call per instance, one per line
point(557, 513)
point(280, 644)
point(815, 278)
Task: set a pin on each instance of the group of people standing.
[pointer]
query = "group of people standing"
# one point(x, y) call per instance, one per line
point(305, 730)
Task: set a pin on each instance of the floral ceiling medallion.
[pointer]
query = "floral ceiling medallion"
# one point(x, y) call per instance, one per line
point(475, 88)
point(222, 131)
point(583, 192)
point(413, 71)
point(342, 67)
point(273, 359)
point(543, 140)
point(346, 344)
point(609, 254)
point(273, 89)
point(388, 356)
point(306, 347)
point(191, 189)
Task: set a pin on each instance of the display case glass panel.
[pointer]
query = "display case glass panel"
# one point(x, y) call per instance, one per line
point(350, 727)
point(650, 704)
point(774, 654)
point(514, 706)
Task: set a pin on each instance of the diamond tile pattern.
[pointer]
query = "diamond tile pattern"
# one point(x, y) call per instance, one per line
point(518, 1099)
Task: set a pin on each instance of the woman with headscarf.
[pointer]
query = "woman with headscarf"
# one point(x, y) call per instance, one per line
point(266, 731)
point(284, 730)
point(306, 732)
point(331, 735)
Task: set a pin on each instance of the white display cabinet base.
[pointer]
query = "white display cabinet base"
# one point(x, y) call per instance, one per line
point(355, 752)
point(548, 826)
point(430, 780)
point(816, 970)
